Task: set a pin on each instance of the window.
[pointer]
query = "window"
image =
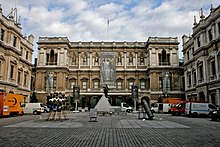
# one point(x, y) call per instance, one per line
point(164, 58)
point(15, 41)
point(12, 71)
point(219, 28)
point(51, 58)
point(119, 85)
point(143, 84)
point(73, 83)
point(194, 78)
point(21, 50)
point(160, 83)
point(84, 60)
point(84, 85)
point(198, 41)
point(187, 55)
point(25, 79)
point(210, 34)
point(2, 35)
point(189, 79)
point(96, 84)
point(54, 83)
point(213, 68)
point(19, 77)
point(130, 84)
point(27, 55)
point(200, 73)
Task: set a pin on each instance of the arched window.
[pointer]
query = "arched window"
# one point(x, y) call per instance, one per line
point(96, 84)
point(51, 58)
point(164, 58)
point(119, 83)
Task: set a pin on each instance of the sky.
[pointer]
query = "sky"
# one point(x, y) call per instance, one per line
point(108, 20)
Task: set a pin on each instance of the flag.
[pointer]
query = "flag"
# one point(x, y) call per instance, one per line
point(108, 22)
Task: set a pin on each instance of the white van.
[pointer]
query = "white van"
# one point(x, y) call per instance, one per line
point(34, 108)
point(160, 107)
point(196, 109)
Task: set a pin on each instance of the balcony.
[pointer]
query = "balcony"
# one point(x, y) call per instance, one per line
point(51, 63)
point(164, 63)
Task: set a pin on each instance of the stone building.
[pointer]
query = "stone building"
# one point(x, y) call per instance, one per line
point(202, 59)
point(152, 66)
point(15, 56)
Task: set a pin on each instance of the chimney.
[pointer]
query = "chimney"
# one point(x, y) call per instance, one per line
point(31, 39)
point(185, 38)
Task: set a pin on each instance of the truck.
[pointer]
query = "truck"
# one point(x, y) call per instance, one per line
point(10, 104)
point(171, 100)
point(179, 108)
point(197, 108)
point(33, 108)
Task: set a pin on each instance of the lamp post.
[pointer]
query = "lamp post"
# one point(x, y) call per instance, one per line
point(76, 95)
point(134, 94)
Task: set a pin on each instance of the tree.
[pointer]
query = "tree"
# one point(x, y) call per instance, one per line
point(33, 98)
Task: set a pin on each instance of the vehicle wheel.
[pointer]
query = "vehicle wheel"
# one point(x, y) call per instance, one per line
point(35, 112)
point(173, 114)
point(195, 114)
point(128, 111)
point(214, 118)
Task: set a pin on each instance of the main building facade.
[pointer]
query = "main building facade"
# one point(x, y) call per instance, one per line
point(152, 66)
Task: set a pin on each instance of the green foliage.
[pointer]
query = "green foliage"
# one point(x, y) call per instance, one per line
point(33, 98)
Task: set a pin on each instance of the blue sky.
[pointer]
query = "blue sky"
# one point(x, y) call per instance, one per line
point(86, 20)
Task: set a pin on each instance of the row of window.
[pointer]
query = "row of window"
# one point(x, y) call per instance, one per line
point(164, 84)
point(192, 76)
point(119, 84)
point(198, 40)
point(209, 34)
point(96, 84)
point(20, 75)
point(164, 59)
point(2, 38)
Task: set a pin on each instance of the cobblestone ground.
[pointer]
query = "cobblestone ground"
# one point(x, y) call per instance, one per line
point(82, 133)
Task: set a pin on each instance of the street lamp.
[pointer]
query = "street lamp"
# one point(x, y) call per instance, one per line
point(134, 94)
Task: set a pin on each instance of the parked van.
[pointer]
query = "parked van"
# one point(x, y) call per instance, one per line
point(196, 109)
point(160, 107)
point(34, 108)
point(10, 104)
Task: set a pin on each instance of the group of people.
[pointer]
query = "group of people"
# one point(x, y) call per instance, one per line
point(57, 107)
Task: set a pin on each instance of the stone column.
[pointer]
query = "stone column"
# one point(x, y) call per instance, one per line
point(58, 56)
point(136, 59)
point(216, 65)
point(125, 60)
point(217, 97)
point(90, 60)
point(79, 59)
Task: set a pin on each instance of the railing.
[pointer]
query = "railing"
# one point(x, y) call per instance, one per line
point(164, 63)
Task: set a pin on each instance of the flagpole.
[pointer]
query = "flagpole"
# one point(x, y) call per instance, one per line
point(107, 29)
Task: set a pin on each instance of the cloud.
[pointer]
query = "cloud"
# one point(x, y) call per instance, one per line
point(86, 20)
